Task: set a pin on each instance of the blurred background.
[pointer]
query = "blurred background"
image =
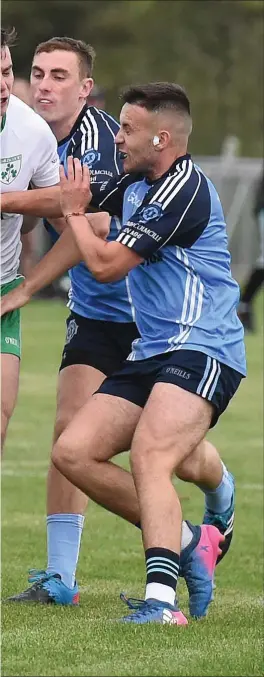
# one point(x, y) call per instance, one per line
point(214, 48)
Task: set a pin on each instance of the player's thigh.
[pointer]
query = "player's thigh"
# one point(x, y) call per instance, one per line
point(76, 384)
point(10, 366)
point(102, 428)
point(173, 423)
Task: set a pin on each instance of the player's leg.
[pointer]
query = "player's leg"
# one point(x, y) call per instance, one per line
point(87, 343)
point(107, 484)
point(218, 383)
point(10, 365)
point(90, 352)
point(254, 281)
point(66, 504)
point(172, 425)
point(205, 468)
point(10, 361)
point(86, 464)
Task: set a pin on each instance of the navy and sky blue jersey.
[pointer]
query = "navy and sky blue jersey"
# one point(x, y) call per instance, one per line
point(183, 293)
point(92, 141)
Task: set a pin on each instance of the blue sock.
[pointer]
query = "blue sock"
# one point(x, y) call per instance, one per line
point(64, 532)
point(218, 500)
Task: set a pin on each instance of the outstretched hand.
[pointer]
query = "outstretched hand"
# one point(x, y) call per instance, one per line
point(75, 192)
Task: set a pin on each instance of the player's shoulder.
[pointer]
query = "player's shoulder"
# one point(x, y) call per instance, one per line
point(102, 117)
point(94, 129)
point(184, 180)
point(25, 121)
point(97, 125)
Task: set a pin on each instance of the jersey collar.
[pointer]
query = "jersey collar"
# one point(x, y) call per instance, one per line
point(3, 121)
point(75, 126)
point(171, 169)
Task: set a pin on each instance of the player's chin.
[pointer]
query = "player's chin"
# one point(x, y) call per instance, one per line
point(4, 105)
point(129, 166)
point(45, 113)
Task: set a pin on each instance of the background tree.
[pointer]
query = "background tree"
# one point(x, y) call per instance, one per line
point(213, 47)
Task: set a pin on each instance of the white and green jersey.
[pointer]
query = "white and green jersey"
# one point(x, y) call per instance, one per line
point(28, 154)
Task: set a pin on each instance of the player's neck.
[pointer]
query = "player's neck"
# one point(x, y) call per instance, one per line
point(164, 162)
point(62, 128)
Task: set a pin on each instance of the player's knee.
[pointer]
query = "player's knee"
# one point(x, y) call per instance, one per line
point(3, 436)
point(186, 471)
point(6, 413)
point(189, 470)
point(61, 423)
point(151, 460)
point(62, 456)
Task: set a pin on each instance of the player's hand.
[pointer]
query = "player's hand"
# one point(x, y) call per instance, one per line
point(16, 298)
point(100, 224)
point(75, 192)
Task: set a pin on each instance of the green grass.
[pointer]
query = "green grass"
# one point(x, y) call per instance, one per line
point(82, 641)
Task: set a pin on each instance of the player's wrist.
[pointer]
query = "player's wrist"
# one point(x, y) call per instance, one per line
point(28, 287)
point(70, 215)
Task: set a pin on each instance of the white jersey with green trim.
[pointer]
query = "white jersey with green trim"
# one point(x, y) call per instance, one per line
point(28, 155)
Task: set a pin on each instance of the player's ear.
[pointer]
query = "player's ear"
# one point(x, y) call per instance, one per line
point(87, 86)
point(164, 139)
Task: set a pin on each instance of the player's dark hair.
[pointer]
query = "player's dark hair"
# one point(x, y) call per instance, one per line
point(8, 37)
point(157, 96)
point(84, 52)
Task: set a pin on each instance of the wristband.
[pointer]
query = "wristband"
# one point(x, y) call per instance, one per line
point(67, 216)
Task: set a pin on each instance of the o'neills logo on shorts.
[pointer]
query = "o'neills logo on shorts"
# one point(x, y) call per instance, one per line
point(178, 372)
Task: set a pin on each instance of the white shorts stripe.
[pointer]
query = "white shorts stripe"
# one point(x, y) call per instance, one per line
point(206, 372)
point(210, 378)
point(210, 394)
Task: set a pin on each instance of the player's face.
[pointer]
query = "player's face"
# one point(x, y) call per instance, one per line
point(7, 78)
point(58, 90)
point(135, 139)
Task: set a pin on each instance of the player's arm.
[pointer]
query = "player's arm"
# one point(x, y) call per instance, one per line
point(175, 219)
point(99, 222)
point(29, 223)
point(63, 255)
point(107, 261)
point(33, 202)
point(45, 198)
point(46, 201)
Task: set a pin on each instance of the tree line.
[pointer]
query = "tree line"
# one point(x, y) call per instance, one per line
point(214, 48)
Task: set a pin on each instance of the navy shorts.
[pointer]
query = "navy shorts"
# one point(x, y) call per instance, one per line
point(191, 370)
point(97, 343)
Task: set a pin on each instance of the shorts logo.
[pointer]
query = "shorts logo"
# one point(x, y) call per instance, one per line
point(10, 168)
point(151, 212)
point(72, 329)
point(178, 372)
point(91, 157)
point(11, 341)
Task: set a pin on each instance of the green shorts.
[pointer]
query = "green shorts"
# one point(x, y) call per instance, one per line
point(10, 323)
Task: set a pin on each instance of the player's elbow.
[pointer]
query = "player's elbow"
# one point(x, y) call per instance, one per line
point(105, 273)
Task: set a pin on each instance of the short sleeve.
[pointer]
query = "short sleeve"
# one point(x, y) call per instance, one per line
point(174, 212)
point(46, 171)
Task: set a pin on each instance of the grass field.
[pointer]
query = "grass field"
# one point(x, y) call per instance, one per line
point(81, 641)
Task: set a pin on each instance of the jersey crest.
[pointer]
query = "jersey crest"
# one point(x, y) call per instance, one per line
point(91, 157)
point(10, 168)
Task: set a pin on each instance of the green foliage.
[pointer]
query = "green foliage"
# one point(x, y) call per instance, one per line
point(215, 49)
